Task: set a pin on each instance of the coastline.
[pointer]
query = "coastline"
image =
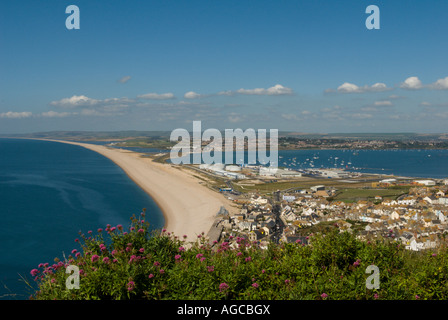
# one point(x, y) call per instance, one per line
point(188, 207)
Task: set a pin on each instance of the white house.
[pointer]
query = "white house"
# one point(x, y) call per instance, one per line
point(408, 201)
point(440, 216)
point(394, 215)
point(415, 246)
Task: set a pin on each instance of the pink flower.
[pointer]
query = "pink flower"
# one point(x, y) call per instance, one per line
point(140, 231)
point(223, 287)
point(199, 255)
point(324, 295)
point(210, 268)
point(77, 254)
point(177, 256)
point(106, 260)
point(417, 297)
point(131, 285)
point(142, 250)
point(157, 263)
point(95, 258)
point(100, 230)
point(356, 263)
point(255, 285)
point(133, 257)
point(375, 296)
point(74, 251)
point(181, 249)
point(248, 259)
point(151, 276)
point(120, 227)
point(34, 272)
point(162, 271)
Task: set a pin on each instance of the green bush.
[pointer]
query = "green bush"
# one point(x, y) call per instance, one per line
point(139, 264)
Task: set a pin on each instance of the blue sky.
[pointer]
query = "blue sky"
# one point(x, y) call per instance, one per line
point(306, 66)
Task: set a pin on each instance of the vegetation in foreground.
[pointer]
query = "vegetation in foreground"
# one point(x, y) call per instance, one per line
point(136, 263)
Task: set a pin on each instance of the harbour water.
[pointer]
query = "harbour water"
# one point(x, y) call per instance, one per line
point(419, 163)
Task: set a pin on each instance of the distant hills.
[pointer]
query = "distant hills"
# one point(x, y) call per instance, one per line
point(133, 134)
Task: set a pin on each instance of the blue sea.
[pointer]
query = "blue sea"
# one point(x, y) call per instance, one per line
point(49, 192)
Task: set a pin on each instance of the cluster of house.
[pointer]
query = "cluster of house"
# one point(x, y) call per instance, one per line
point(419, 220)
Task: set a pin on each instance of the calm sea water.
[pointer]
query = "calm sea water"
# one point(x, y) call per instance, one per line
point(48, 193)
point(409, 163)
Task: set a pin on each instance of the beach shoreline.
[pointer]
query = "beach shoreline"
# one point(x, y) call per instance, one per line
point(188, 207)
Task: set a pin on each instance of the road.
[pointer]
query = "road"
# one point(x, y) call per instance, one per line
point(276, 211)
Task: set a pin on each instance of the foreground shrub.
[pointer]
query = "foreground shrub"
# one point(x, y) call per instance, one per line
point(139, 264)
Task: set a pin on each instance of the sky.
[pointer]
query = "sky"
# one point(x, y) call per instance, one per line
point(305, 66)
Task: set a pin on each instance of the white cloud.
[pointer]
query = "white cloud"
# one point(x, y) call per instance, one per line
point(86, 102)
point(54, 114)
point(16, 115)
point(276, 90)
point(441, 84)
point(347, 87)
point(192, 95)
point(75, 101)
point(383, 103)
point(125, 79)
point(378, 87)
point(361, 116)
point(290, 116)
point(411, 83)
point(394, 97)
point(157, 96)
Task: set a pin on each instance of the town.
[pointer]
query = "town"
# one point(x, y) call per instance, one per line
point(413, 212)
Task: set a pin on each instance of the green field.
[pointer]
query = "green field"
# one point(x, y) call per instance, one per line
point(304, 183)
point(354, 194)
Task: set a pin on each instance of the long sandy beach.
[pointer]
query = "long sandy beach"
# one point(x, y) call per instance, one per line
point(189, 208)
